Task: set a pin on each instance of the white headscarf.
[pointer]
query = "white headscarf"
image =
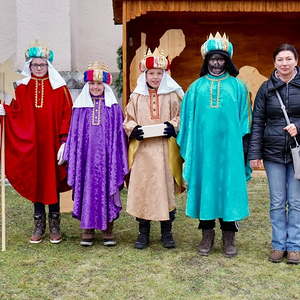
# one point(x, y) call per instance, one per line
point(55, 78)
point(85, 99)
point(167, 85)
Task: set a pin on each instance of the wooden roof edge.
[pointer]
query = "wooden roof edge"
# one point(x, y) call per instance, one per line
point(270, 6)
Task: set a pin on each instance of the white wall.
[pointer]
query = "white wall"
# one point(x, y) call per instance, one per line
point(78, 31)
point(8, 29)
point(94, 35)
point(48, 21)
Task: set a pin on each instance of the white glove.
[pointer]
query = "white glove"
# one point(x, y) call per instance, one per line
point(2, 110)
point(60, 154)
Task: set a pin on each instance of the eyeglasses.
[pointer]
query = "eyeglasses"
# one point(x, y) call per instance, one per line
point(219, 60)
point(39, 66)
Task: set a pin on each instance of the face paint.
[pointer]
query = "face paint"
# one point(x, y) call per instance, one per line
point(216, 64)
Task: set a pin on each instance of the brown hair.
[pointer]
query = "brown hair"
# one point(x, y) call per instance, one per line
point(285, 47)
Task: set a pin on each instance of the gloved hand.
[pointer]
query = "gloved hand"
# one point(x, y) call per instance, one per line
point(60, 154)
point(2, 110)
point(169, 130)
point(137, 133)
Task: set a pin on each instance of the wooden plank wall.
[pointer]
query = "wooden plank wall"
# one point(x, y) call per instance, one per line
point(254, 35)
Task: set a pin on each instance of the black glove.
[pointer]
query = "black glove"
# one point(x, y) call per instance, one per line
point(169, 130)
point(137, 133)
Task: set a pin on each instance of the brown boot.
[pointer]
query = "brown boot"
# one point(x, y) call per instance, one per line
point(39, 228)
point(207, 242)
point(229, 248)
point(276, 256)
point(54, 228)
point(293, 257)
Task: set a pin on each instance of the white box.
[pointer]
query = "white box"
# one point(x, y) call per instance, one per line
point(153, 130)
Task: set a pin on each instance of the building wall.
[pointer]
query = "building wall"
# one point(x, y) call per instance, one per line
point(8, 29)
point(94, 36)
point(79, 32)
point(49, 22)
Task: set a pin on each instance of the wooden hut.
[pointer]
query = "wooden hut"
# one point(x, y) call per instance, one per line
point(255, 28)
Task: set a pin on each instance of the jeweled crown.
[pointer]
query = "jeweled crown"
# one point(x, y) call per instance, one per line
point(217, 42)
point(155, 60)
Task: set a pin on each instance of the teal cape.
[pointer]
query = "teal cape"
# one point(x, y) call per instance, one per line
point(215, 115)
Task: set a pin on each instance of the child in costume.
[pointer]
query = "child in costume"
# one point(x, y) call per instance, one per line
point(96, 152)
point(37, 124)
point(154, 162)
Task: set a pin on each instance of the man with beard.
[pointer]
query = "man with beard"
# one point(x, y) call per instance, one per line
point(215, 121)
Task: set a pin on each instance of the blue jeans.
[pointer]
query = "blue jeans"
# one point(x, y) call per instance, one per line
point(284, 206)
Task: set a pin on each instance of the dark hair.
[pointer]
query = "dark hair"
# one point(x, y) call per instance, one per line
point(229, 66)
point(285, 47)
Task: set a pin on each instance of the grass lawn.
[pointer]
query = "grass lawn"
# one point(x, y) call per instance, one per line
point(69, 271)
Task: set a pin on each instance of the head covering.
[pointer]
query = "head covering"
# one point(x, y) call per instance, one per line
point(155, 60)
point(217, 42)
point(218, 45)
point(167, 85)
point(96, 72)
point(38, 51)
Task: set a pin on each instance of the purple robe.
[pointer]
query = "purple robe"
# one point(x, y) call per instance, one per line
point(96, 153)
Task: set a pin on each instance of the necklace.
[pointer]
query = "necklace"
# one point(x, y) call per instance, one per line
point(96, 113)
point(214, 92)
point(39, 94)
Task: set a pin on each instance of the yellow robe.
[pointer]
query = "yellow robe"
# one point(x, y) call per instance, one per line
point(151, 187)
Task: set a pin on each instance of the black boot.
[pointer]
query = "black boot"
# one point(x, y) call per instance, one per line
point(39, 228)
point(142, 241)
point(166, 234)
point(54, 228)
point(229, 248)
point(207, 242)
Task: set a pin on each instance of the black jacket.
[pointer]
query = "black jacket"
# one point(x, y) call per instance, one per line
point(268, 140)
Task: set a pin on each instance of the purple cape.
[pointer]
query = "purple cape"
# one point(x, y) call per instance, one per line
point(97, 164)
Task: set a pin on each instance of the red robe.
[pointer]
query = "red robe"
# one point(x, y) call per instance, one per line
point(37, 122)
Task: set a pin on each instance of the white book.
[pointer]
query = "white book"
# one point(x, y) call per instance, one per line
point(153, 130)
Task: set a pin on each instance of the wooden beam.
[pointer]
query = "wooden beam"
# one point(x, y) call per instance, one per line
point(124, 54)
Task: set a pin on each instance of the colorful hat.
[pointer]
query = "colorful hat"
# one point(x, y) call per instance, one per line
point(37, 50)
point(217, 42)
point(97, 72)
point(155, 60)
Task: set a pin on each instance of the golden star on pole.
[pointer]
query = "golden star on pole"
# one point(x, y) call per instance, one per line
point(7, 78)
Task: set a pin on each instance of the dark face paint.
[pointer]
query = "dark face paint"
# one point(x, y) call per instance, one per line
point(216, 64)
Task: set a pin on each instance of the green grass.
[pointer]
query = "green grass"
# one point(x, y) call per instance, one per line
point(69, 271)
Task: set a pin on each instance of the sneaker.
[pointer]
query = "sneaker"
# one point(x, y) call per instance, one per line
point(276, 256)
point(293, 257)
point(54, 228)
point(87, 237)
point(109, 242)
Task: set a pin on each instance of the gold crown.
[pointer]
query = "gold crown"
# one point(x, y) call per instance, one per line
point(98, 66)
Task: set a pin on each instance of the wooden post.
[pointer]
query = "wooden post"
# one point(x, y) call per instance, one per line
point(3, 222)
point(124, 53)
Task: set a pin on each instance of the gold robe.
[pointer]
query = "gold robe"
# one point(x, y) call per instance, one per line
point(152, 185)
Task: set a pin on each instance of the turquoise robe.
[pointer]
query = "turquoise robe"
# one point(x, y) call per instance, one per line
point(215, 115)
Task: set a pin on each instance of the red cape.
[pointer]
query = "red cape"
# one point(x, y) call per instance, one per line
point(33, 137)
